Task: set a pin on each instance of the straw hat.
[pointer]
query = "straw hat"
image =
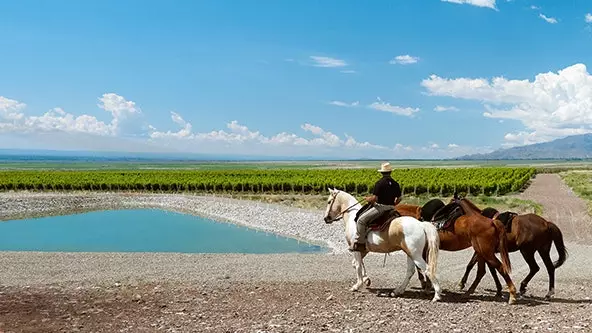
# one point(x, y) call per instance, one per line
point(385, 167)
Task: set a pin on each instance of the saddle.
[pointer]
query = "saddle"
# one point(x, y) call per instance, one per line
point(506, 218)
point(382, 221)
point(445, 217)
point(429, 209)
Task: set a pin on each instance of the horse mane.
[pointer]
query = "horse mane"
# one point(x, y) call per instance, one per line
point(347, 197)
point(489, 212)
point(471, 205)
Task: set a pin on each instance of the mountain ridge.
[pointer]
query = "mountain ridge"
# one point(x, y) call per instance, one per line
point(571, 147)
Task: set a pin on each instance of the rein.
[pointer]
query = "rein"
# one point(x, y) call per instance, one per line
point(340, 215)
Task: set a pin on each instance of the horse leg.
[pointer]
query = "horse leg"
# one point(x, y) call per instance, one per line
point(359, 266)
point(478, 277)
point(498, 284)
point(365, 277)
point(470, 265)
point(528, 256)
point(416, 260)
point(544, 253)
point(410, 270)
point(495, 263)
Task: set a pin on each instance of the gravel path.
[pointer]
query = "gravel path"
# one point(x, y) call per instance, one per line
point(154, 292)
point(562, 206)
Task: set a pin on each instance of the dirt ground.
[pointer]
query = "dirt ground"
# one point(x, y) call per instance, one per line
point(278, 307)
point(308, 306)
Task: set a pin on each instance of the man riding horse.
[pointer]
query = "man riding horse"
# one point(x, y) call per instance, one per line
point(385, 196)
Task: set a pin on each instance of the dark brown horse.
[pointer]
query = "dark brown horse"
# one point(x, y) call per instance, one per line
point(528, 233)
point(471, 229)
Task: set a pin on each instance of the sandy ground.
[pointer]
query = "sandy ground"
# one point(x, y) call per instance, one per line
point(127, 292)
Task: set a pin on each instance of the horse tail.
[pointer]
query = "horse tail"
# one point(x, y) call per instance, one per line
point(557, 237)
point(433, 240)
point(503, 246)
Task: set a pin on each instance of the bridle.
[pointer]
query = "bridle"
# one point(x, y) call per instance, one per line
point(340, 215)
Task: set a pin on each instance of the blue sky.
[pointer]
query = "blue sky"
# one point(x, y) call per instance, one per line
point(380, 79)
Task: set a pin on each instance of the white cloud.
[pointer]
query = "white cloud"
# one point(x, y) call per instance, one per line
point(399, 146)
point(553, 105)
point(348, 71)
point(13, 118)
point(551, 20)
point(241, 136)
point(11, 109)
point(58, 129)
point(441, 108)
point(404, 60)
point(588, 18)
point(345, 104)
point(478, 3)
point(452, 145)
point(320, 61)
point(533, 7)
point(387, 107)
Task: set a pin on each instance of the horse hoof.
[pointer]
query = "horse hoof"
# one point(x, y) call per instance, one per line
point(368, 282)
point(512, 300)
point(461, 286)
point(436, 298)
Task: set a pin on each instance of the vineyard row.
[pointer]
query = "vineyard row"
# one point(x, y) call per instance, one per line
point(487, 181)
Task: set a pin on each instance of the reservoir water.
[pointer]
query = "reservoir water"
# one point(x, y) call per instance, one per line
point(141, 230)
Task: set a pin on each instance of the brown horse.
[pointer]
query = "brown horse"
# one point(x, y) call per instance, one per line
point(528, 233)
point(471, 229)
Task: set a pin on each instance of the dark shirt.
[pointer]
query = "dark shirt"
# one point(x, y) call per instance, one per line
point(387, 190)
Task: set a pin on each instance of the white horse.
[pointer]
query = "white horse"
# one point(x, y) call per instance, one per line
point(404, 233)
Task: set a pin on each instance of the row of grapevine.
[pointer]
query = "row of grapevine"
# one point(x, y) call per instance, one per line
point(488, 181)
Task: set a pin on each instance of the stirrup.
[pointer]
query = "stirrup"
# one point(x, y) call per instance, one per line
point(358, 247)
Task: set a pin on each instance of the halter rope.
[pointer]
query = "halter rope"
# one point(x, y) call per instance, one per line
point(340, 215)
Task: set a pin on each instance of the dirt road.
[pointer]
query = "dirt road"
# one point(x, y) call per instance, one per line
point(562, 206)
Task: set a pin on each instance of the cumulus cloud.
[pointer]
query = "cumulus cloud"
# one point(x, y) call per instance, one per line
point(588, 18)
point(387, 107)
point(58, 129)
point(240, 135)
point(404, 60)
point(477, 3)
point(553, 105)
point(13, 118)
point(11, 109)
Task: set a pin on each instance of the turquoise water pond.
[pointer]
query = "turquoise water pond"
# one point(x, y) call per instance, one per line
point(141, 230)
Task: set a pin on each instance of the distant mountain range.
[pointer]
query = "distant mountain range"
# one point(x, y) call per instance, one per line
point(568, 148)
point(571, 147)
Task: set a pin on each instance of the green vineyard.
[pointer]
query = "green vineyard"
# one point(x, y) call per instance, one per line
point(443, 181)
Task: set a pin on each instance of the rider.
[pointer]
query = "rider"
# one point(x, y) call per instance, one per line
point(385, 196)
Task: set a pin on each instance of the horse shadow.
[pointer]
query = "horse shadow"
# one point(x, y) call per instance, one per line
point(459, 297)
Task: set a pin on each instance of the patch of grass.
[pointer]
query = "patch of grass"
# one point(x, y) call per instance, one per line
point(581, 183)
point(319, 202)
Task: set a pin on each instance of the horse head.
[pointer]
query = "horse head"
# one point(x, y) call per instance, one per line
point(332, 209)
point(467, 206)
